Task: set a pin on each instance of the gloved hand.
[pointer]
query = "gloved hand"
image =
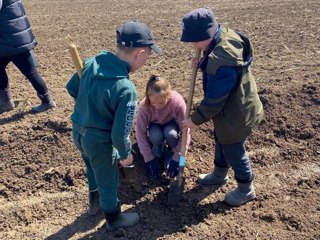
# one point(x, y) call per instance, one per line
point(153, 169)
point(173, 168)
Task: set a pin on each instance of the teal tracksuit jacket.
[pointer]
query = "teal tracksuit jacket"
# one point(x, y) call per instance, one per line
point(105, 105)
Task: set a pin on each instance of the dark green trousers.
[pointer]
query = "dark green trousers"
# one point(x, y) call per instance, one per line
point(101, 160)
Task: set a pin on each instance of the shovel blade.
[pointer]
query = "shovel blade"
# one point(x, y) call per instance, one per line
point(175, 191)
point(128, 174)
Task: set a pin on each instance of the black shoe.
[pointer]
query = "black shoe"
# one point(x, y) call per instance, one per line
point(94, 206)
point(117, 220)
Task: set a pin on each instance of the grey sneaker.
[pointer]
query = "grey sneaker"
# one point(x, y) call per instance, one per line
point(43, 107)
point(47, 103)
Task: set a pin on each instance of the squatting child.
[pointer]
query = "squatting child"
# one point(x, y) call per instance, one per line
point(159, 120)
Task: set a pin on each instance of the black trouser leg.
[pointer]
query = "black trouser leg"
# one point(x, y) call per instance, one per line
point(4, 81)
point(27, 64)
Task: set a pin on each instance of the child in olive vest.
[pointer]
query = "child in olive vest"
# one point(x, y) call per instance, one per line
point(230, 99)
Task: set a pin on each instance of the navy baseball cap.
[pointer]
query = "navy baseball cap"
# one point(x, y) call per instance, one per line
point(198, 25)
point(136, 34)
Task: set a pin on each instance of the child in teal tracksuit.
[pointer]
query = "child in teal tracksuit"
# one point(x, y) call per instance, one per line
point(105, 105)
point(230, 99)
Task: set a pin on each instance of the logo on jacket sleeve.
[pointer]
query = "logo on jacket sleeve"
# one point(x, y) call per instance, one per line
point(131, 110)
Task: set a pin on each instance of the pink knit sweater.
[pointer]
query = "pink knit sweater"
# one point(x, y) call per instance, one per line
point(174, 110)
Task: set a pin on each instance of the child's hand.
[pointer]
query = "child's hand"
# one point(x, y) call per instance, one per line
point(194, 62)
point(173, 168)
point(187, 124)
point(153, 169)
point(126, 162)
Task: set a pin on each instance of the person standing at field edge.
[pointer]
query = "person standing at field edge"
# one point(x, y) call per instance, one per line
point(105, 105)
point(16, 45)
point(230, 99)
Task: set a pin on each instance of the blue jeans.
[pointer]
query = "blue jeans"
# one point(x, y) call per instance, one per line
point(161, 134)
point(234, 155)
point(27, 64)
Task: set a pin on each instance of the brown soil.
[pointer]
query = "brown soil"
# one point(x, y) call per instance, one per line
point(43, 185)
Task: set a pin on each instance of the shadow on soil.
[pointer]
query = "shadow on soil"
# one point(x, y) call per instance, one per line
point(14, 118)
point(155, 222)
point(157, 217)
point(83, 223)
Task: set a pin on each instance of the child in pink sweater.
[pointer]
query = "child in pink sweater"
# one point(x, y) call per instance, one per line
point(159, 119)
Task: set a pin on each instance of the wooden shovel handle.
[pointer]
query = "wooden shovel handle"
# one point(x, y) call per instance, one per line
point(189, 103)
point(76, 60)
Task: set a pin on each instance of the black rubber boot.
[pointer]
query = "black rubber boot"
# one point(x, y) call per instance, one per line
point(117, 220)
point(93, 199)
point(6, 102)
point(46, 103)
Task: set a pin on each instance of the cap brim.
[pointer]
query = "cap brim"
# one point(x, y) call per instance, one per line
point(156, 49)
point(197, 35)
point(184, 37)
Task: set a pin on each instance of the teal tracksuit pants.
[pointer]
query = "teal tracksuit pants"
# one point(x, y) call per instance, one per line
point(101, 160)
